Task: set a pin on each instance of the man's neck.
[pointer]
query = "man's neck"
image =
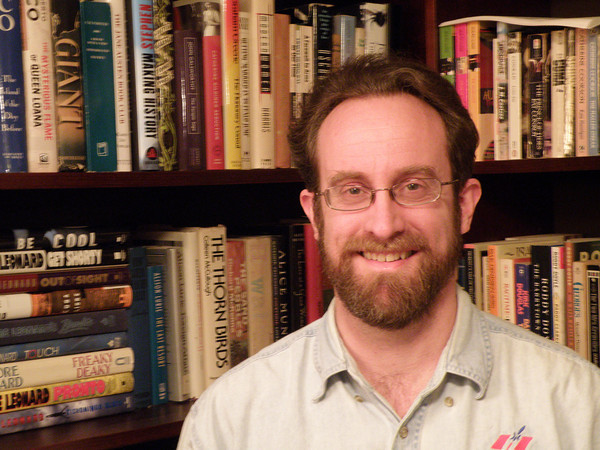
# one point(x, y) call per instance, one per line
point(399, 363)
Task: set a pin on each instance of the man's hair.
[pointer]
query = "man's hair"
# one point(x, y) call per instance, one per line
point(373, 75)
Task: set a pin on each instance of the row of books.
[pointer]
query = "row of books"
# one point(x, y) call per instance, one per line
point(545, 283)
point(185, 304)
point(65, 314)
point(117, 85)
point(530, 84)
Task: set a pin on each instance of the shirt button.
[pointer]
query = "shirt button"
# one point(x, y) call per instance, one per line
point(358, 398)
point(449, 402)
point(403, 432)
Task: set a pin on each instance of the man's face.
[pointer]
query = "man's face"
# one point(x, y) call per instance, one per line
point(389, 262)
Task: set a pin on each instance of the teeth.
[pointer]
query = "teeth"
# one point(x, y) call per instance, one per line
point(386, 257)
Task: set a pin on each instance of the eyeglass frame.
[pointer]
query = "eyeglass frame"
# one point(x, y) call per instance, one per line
point(390, 190)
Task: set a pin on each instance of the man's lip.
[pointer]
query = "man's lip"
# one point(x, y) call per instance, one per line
point(387, 256)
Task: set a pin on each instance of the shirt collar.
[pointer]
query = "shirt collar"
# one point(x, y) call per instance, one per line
point(467, 354)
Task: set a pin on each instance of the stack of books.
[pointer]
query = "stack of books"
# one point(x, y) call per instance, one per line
point(64, 352)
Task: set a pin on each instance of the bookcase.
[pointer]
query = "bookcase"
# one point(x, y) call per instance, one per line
point(520, 197)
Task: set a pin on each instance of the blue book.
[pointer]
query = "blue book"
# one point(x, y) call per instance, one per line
point(158, 340)
point(98, 86)
point(522, 290)
point(13, 141)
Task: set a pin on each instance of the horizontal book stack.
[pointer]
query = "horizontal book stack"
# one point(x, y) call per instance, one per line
point(545, 283)
point(64, 343)
point(530, 84)
point(168, 85)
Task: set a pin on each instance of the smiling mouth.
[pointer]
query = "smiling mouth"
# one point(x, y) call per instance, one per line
point(387, 257)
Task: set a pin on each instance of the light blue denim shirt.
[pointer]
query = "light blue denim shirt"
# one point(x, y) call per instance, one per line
point(496, 386)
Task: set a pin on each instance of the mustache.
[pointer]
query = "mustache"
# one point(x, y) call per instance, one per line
point(398, 243)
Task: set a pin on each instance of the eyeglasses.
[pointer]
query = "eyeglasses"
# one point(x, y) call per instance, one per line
point(356, 197)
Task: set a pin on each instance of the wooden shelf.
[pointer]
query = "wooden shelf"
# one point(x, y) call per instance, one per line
point(159, 423)
point(92, 180)
point(540, 166)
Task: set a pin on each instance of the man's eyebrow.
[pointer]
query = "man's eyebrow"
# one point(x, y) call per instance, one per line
point(407, 172)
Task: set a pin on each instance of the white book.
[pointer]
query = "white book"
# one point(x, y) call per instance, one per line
point(500, 54)
point(260, 78)
point(558, 44)
point(38, 73)
point(376, 23)
point(121, 76)
point(581, 309)
point(244, 90)
point(515, 92)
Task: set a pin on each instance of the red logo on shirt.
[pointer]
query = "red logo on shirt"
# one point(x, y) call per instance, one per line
point(507, 441)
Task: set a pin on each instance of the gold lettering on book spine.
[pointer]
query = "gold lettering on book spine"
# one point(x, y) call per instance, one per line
point(163, 49)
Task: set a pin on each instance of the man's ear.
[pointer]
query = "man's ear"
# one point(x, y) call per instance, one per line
point(307, 200)
point(468, 199)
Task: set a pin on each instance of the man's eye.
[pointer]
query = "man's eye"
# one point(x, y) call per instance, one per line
point(414, 186)
point(354, 190)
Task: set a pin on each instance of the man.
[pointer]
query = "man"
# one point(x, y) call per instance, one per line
point(402, 358)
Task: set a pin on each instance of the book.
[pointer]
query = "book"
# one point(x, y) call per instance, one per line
point(121, 81)
point(38, 73)
point(539, 140)
point(69, 391)
point(38, 372)
point(558, 45)
point(245, 145)
point(260, 79)
point(213, 83)
point(314, 276)
point(70, 116)
point(13, 153)
point(212, 268)
point(281, 286)
point(47, 416)
point(559, 311)
point(237, 299)
point(297, 269)
point(581, 309)
point(157, 334)
point(187, 241)
point(171, 258)
point(374, 19)
point(230, 66)
point(581, 91)
point(569, 133)
point(165, 73)
point(98, 87)
point(59, 347)
point(500, 53)
point(515, 95)
point(260, 307)
point(507, 295)
point(446, 60)
point(34, 329)
point(593, 280)
point(592, 85)
point(522, 293)
point(49, 280)
point(281, 88)
point(343, 40)
point(189, 85)
point(462, 62)
point(17, 306)
point(142, 69)
point(62, 237)
point(542, 315)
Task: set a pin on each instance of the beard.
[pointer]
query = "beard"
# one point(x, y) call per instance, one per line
point(392, 300)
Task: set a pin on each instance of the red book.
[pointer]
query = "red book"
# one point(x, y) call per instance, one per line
point(313, 276)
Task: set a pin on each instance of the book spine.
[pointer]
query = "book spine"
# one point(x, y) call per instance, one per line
point(260, 61)
point(60, 347)
point(295, 78)
point(522, 294)
point(47, 416)
point(592, 78)
point(446, 63)
point(501, 94)
point(570, 75)
point(70, 116)
point(230, 54)
point(462, 62)
point(13, 152)
point(493, 303)
point(260, 306)
point(281, 286)
point(558, 47)
point(157, 336)
point(165, 73)
point(38, 72)
point(580, 310)
point(213, 88)
point(322, 23)
point(515, 95)
point(506, 293)
point(38, 372)
point(538, 53)
point(57, 238)
point(62, 326)
point(213, 280)
point(297, 276)
point(281, 88)
point(375, 20)
point(143, 85)
point(559, 313)
point(581, 92)
point(485, 94)
point(237, 292)
point(17, 306)
point(244, 90)
point(121, 82)
point(593, 277)
point(545, 295)
point(69, 391)
point(314, 281)
point(63, 279)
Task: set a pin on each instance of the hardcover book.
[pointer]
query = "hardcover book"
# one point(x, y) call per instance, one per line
point(237, 298)
point(446, 39)
point(558, 45)
point(501, 93)
point(98, 86)
point(13, 152)
point(157, 335)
